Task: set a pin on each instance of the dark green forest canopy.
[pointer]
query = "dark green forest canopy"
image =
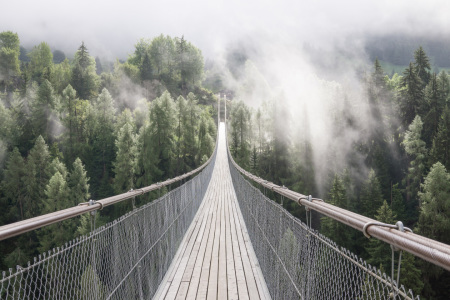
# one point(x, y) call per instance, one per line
point(76, 129)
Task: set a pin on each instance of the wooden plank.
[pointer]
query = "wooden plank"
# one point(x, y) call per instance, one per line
point(222, 290)
point(199, 260)
point(240, 274)
point(177, 276)
point(231, 272)
point(166, 282)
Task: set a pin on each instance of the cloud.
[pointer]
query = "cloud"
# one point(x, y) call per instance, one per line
point(111, 28)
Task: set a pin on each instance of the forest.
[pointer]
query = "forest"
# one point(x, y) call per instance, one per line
point(80, 128)
point(395, 167)
point(72, 130)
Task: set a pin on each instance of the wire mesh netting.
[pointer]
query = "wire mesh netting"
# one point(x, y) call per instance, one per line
point(299, 263)
point(125, 259)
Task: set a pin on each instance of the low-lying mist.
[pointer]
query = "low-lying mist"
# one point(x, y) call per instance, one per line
point(316, 97)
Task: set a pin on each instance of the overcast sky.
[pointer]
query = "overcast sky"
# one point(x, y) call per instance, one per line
point(112, 27)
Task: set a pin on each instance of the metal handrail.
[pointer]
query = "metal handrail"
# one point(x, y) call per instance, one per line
point(430, 250)
point(17, 228)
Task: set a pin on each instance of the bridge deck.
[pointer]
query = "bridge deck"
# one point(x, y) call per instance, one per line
point(216, 258)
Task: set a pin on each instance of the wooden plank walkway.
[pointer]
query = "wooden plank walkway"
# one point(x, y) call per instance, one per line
point(216, 258)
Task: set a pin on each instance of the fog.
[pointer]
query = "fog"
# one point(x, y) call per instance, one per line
point(111, 28)
point(280, 38)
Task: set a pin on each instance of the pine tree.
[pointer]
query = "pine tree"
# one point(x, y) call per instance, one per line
point(191, 129)
point(416, 150)
point(68, 117)
point(440, 150)
point(379, 251)
point(335, 230)
point(102, 144)
point(145, 69)
point(180, 133)
point(43, 111)
point(371, 197)
point(443, 85)
point(205, 140)
point(41, 62)
point(411, 94)
point(36, 178)
point(9, 57)
point(124, 165)
point(84, 77)
point(57, 193)
point(78, 184)
point(434, 220)
point(13, 184)
point(58, 166)
point(162, 131)
point(422, 65)
point(435, 200)
point(435, 106)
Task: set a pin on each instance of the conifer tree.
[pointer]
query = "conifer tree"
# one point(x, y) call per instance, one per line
point(36, 178)
point(205, 140)
point(379, 251)
point(13, 184)
point(162, 131)
point(43, 110)
point(78, 184)
point(371, 196)
point(411, 94)
point(416, 149)
point(84, 77)
point(145, 68)
point(9, 57)
point(422, 65)
point(435, 105)
point(435, 199)
point(102, 143)
point(333, 229)
point(41, 62)
point(191, 128)
point(434, 220)
point(440, 150)
point(124, 165)
point(57, 193)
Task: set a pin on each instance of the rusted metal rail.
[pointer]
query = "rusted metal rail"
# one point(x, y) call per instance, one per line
point(20, 227)
point(425, 248)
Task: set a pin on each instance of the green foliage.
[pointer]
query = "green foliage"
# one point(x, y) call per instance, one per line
point(13, 185)
point(36, 178)
point(411, 94)
point(9, 57)
point(78, 184)
point(435, 100)
point(379, 251)
point(335, 230)
point(162, 132)
point(440, 150)
point(422, 65)
point(41, 62)
point(434, 219)
point(43, 110)
point(124, 166)
point(371, 197)
point(240, 134)
point(84, 77)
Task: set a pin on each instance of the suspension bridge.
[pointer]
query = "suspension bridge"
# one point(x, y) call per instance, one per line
point(216, 236)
